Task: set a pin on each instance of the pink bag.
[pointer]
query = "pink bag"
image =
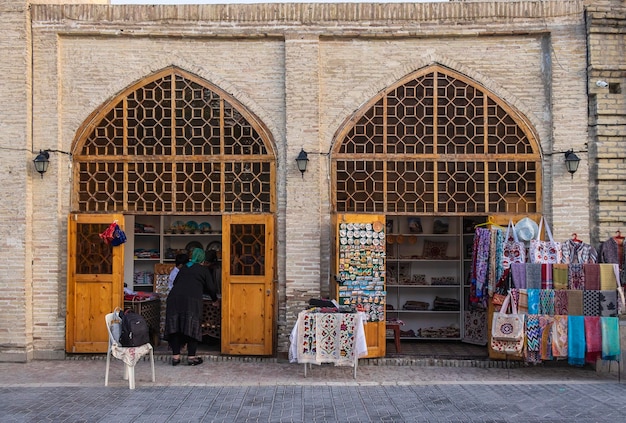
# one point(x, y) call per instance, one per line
point(514, 251)
point(545, 251)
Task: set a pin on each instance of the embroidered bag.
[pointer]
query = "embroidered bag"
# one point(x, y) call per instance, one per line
point(514, 251)
point(545, 251)
point(507, 326)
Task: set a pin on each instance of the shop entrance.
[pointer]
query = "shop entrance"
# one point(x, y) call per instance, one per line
point(173, 148)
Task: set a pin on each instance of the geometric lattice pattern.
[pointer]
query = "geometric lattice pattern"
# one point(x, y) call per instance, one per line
point(173, 143)
point(95, 256)
point(247, 246)
point(436, 143)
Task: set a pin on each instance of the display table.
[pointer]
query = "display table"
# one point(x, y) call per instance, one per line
point(337, 338)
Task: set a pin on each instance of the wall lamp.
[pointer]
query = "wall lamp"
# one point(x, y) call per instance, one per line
point(42, 161)
point(571, 162)
point(302, 161)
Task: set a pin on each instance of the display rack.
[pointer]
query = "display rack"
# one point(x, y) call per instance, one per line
point(158, 239)
point(428, 258)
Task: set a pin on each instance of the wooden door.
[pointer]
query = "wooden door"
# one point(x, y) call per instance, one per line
point(375, 331)
point(94, 282)
point(247, 284)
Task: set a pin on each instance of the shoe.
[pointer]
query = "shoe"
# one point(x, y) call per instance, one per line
point(175, 362)
point(195, 361)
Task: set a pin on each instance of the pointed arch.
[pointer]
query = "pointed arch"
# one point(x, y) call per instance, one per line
point(436, 142)
point(173, 142)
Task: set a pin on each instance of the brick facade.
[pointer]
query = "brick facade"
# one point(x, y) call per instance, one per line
point(303, 69)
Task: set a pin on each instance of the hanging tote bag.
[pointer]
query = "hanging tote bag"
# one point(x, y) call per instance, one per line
point(514, 251)
point(507, 329)
point(545, 252)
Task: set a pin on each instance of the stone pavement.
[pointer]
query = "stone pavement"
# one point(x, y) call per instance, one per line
point(244, 389)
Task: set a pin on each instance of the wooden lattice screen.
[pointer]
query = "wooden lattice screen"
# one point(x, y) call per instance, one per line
point(173, 143)
point(436, 143)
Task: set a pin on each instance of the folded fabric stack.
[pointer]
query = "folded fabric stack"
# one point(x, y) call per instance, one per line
point(416, 305)
point(443, 332)
point(446, 304)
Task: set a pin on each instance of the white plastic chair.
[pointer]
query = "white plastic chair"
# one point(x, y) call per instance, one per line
point(129, 355)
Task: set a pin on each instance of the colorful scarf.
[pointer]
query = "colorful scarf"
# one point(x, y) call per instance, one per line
point(592, 276)
point(559, 276)
point(546, 276)
point(608, 303)
point(576, 277)
point(560, 302)
point(533, 275)
point(576, 340)
point(575, 302)
point(608, 276)
point(593, 338)
point(197, 256)
point(533, 339)
point(545, 323)
point(591, 303)
point(518, 273)
point(559, 337)
point(610, 338)
point(546, 301)
point(533, 301)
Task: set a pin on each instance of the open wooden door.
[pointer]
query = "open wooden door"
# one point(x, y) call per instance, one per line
point(247, 284)
point(360, 270)
point(94, 282)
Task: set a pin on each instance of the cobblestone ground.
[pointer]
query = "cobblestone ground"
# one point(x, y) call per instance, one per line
point(224, 390)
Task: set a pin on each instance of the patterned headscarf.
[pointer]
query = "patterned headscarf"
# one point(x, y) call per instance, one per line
point(197, 256)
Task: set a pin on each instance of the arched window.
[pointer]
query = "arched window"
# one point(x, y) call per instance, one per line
point(173, 143)
point(436, 143)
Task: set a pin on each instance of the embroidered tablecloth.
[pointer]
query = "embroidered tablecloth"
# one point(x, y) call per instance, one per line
point(337, 338)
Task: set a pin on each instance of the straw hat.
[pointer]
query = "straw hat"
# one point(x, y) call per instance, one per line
point(526, 229)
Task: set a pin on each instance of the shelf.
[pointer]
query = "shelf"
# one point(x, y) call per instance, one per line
point(193, 235)
point(423, 286)
point(147, 259)
point(424, 311)
point(143, 284)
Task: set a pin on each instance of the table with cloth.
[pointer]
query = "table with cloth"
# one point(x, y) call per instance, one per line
point(333, 337)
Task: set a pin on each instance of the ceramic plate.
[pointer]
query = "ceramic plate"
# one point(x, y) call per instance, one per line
point(205, 227)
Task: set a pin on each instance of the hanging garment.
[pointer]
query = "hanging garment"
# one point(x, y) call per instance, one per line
point(610, 338)
point(613, 251)
point(576, 340)
point(480, 262)
point(578, 252)
point(593, 339)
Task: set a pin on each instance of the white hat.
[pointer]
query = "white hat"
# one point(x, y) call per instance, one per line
point(526, 229)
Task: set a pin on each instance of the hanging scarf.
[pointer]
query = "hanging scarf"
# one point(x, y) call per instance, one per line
point(546, 276)
point(559, 276)
point(545, 323)
point(593, 338)
point(576, 277)
point(481, 262)
point(610, 338)
point(197, 256)
point(559, 337)
point(592, 276)
point(533, 301)
point(575, 302)
point(576, 340)
point(546, 301)
point(533, 275)
point(591, 303)
point(533, 339)
point(608, 276)
point(560, 302)
point(518, 273)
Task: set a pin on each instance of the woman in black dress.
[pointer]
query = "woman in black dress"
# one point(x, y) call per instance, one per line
point(183, 314)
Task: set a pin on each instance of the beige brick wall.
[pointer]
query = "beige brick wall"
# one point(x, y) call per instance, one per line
point(303, 70)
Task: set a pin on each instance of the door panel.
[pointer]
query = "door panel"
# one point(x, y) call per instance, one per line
point(248, 284)
point(94, 282)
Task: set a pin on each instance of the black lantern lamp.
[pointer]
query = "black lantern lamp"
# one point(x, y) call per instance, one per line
point(302, 160)
point(42, 161)
point(571, 162)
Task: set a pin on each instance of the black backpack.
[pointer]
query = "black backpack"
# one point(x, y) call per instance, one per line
point(135, 331)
